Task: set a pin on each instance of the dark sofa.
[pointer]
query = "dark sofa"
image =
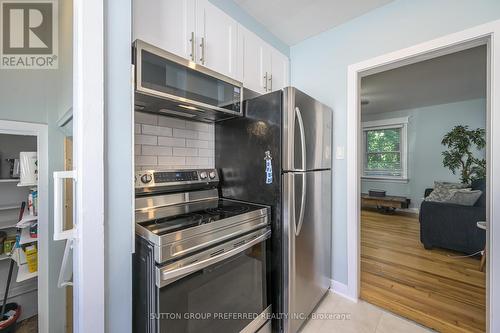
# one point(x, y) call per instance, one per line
point(452, 226)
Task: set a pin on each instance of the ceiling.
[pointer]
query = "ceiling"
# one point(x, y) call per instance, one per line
point(292, 21)
point(452, 78)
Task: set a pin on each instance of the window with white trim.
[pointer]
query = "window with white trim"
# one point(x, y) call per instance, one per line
point(385, 149)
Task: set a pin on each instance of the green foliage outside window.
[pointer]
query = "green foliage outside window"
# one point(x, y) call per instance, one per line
point(383, 151)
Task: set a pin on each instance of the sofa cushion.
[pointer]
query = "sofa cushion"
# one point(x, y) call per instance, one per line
point(443, 191)
point(465, 197)
point(480, 184)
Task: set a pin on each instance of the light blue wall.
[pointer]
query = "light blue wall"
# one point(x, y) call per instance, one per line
point(319, 67)
point(242, 17)
point(426, 128)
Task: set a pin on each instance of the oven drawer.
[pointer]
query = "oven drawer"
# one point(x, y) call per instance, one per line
point(224, 289)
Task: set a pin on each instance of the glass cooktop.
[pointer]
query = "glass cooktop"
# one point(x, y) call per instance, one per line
point(168, 219)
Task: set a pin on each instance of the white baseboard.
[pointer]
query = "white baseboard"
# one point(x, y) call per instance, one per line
point(342, 289)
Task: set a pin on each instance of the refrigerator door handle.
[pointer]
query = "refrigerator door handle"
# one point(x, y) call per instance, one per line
point(298, 114)
point(298, 226)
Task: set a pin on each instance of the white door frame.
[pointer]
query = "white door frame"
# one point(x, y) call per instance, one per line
point(484, 34)
point(88, 129)
point(40, 131)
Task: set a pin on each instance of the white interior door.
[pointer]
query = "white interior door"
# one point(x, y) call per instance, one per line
point(87, 234)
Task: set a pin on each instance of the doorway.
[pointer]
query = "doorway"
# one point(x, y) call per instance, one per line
point(481, 35)
point(24, 219)
point(423, 129)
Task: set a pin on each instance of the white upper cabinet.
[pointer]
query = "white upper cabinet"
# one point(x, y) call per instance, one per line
point(279, 71)
point(199, 31)
point(265, 69)
point(217, 35)
point(167, 24)
point(253, 74)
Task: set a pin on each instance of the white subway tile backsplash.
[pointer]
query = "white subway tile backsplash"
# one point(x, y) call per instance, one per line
point(206, 152)
point(169, 143)
point(145, 118)
point(197, 143)
point(206, 135)
point(146, 139)
point(171, 122)
point(146, 160)
point(156, 151)
point(188, 134)
point(156, 130)
point(196, 126)
point(185, 152)
point(172, 160)
point(201, 161)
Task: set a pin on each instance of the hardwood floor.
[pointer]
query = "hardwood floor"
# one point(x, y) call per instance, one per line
point(427, 286)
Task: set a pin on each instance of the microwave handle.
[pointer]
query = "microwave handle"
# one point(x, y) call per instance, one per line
point(169, 276)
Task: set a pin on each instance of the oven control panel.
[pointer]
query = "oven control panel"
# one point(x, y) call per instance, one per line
point(156, 178)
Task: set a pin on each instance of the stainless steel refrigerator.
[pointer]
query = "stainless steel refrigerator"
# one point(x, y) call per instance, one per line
point(279, 154)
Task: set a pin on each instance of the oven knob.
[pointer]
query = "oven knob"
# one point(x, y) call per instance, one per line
point(203, 175)
point(146, 178)
point(212, 174)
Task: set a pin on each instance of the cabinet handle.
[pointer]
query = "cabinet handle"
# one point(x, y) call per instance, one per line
point(271, 82)
point(202, 45)
point(192, 41)
point(265, 82)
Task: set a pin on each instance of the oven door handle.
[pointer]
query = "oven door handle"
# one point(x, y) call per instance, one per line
point(169, 276)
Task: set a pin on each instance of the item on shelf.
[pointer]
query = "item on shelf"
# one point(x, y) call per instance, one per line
point(30, 204)
point(9, 324)
point(376, 193)
point(14, 167)
point(8, 244)
point(11, 313)
point(32, 258)
point(35, 202)
point(34, 230)
point(3, 236)
point(29, 167)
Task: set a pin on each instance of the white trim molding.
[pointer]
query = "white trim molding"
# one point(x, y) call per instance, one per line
point(342, 289)
point(486, 34)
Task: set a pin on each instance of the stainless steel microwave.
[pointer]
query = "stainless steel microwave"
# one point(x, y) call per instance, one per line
point(171, 85)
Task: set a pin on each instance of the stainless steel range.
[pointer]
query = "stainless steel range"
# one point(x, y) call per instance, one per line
point(201, 262)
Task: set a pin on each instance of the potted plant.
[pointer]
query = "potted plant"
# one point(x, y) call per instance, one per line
point(459, 157)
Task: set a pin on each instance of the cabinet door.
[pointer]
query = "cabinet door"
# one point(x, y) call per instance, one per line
point(254, 61)
point(167, 24)
point(280, 65)
point(217, 39)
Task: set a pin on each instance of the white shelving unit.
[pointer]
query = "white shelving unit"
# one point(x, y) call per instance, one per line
point(25, 237)
point(26, 221)
point(9, 180)
point(27, 184)
point(24, 274)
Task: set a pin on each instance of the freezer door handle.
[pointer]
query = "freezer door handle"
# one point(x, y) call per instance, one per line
point(298, 114)
point(298, 226)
